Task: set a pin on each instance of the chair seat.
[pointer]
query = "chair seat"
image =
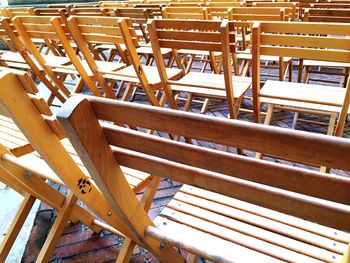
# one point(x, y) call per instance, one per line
point(317, 96)
point(11, 137)
point(147, 50)
point(225, 229)
point(136, 179)
point(213, 85)
point(102, 65)
point(322, 63)
point(129, 74)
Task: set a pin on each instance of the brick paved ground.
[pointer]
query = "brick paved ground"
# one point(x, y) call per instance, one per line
point(79, 244)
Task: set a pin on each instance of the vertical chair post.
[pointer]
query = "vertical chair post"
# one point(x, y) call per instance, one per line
point(256, 71)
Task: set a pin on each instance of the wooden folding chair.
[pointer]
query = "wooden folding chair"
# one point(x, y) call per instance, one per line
point(209, 36)
point(19, 58)
point(306, 41)
point(308, 67)
point(87, 30)
point(249, 14)
point(56, 159)
point(233, 208)
point(18, 170)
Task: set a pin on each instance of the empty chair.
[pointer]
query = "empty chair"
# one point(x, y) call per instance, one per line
point(233, 208)
point(310, 41)
point(209, 36)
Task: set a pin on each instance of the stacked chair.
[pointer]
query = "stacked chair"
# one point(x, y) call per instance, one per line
point(279, 197)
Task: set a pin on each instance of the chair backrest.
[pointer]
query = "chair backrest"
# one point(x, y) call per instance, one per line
point(22, 48)
point(19, 11)
point(185, 13)
point(258, 14)
point(34, 118)
point(212, 36)
point(138, 16)
point(115, 31)
point(327, 15)
point(292, 190)
point(39, 27)
point(219, 13)
point(316, 41)
point(89, 11)
point(289, 7)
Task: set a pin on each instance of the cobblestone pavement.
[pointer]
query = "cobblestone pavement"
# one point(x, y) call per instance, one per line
point(79, 244)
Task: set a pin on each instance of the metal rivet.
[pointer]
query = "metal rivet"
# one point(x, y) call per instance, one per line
point(27, 174)
point(334, 257)
point(335, 233)
point(162, 245)
point(164, 223)
point(109, 213)
point(334, 244)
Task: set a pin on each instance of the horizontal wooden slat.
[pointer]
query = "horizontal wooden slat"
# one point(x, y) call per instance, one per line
point(306, 28)
point(39, 27)
point(230, 132)
point(305, 41)
point(108, 30)
point(289, 178)
point(103, 39)
point(42, 34)
point(257, 10)
point(310, 53)
point(256, 17)
point(35, 19)
point(316, 210)
point(91, 20)
point(190, 45)
point(190, 35)
point(189, 25)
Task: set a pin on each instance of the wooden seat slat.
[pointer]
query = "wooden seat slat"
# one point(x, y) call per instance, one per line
point(292, 221)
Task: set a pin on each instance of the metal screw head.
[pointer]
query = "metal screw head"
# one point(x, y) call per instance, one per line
point(27, 174)
point(162, 245)
point(109, 213)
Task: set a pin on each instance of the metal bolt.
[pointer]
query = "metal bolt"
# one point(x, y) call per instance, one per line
point(162, 245)
point(27, 174)
point(334, 244)
point(109, 213)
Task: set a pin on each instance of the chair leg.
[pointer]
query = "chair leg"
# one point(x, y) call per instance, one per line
point(346, 256)
point(330, 132)
point(205, 105)
point(57, 229)
point(191, 258)
point(127, 92)
point(188, 102)
point(267, 121)
point(146, 200)
point(295, 120)
point(16, 226)
point(79, 86)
